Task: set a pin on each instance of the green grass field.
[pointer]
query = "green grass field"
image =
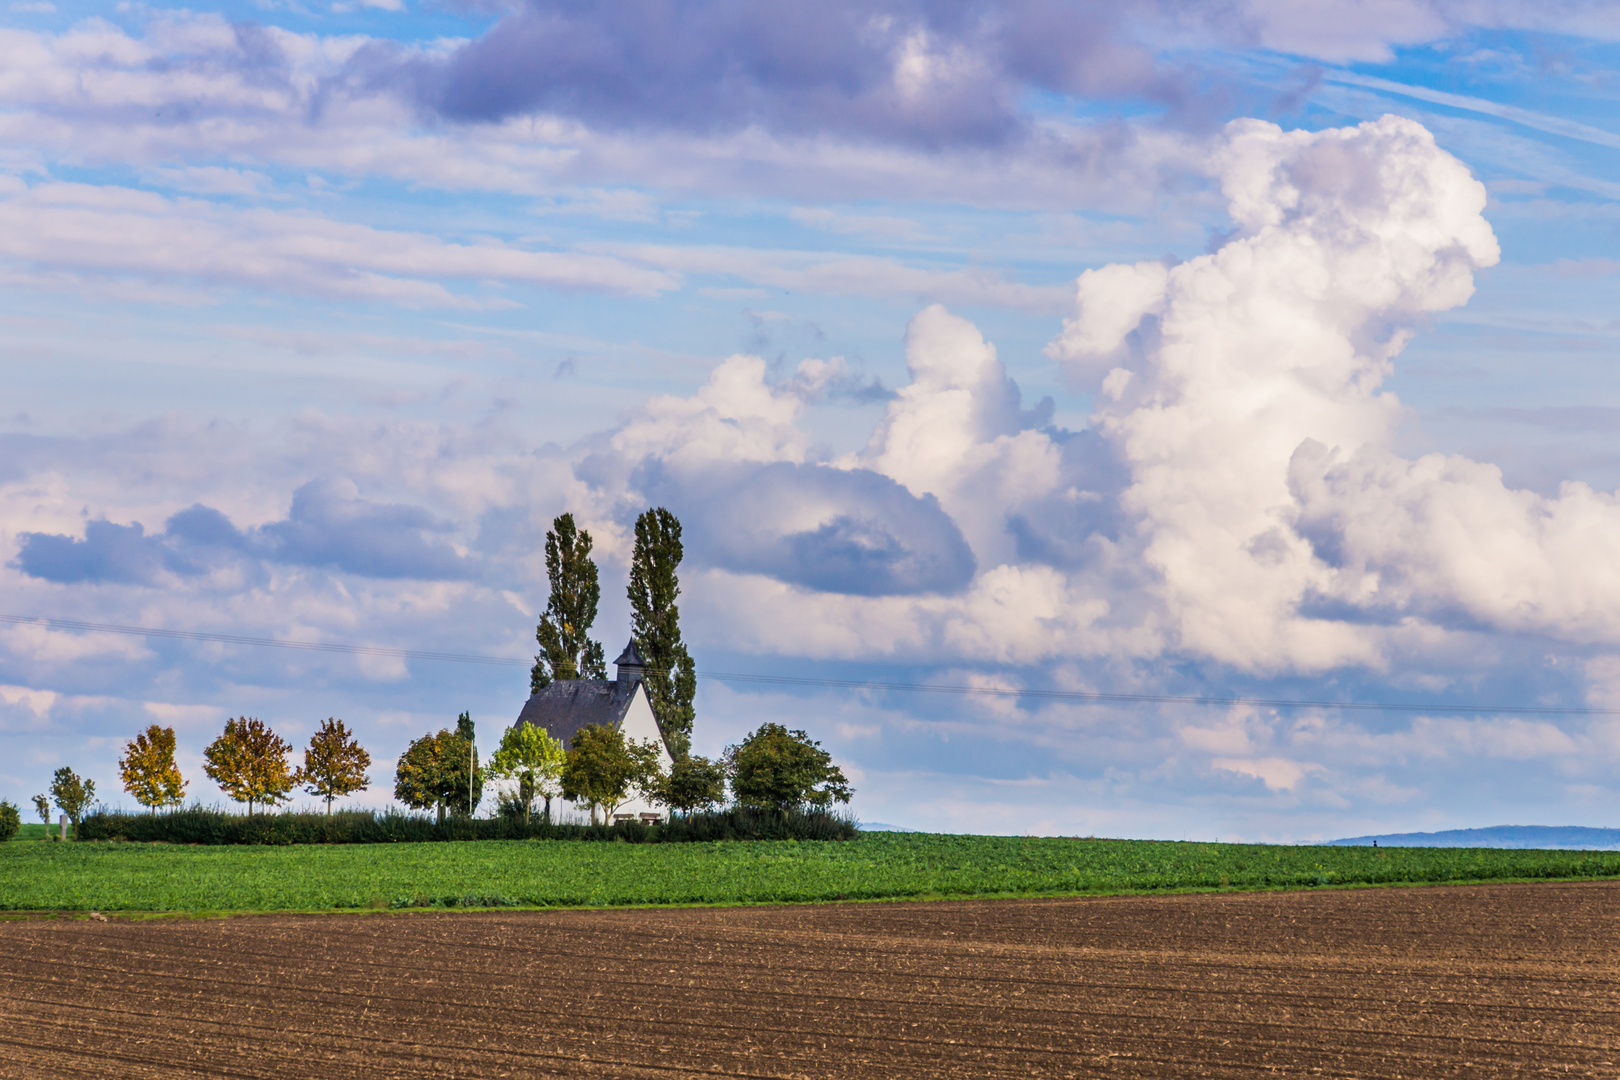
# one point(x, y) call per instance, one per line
point(38, 832)
point(160, 877)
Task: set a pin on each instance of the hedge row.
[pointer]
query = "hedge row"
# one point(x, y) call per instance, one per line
point(198, 825)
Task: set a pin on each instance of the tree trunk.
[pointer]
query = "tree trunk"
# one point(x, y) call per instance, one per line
point(441, 813)
point(548, 809)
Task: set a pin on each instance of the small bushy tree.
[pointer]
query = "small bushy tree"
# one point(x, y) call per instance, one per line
point(10, 820)
point(693, 783)
point(149, 771)
point(778, 769)
point(42, 807)
point(535, 760)
point(73, 794)
point(249, 763)
point(335, 763)
point(439, 772)
point(566, 648)
point(603, 769)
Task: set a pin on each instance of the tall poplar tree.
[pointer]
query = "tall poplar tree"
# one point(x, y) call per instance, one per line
point(566, 650)
point(655, 623)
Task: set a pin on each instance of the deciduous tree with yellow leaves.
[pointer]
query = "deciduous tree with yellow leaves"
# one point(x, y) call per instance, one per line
point(149, 771)
point(249, 763)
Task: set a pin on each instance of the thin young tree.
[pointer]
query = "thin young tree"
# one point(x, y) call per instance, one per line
point(655, 622)
point(529, 755)
point(694, 783)
point(249, 763)
point(566, 649)
point(73, 794)
point(42, 807)
point(335, 763)
point(149, 771)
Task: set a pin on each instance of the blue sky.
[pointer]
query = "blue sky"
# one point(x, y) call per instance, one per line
point(315, 315)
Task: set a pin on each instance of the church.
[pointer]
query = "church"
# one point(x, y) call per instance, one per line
point(566, 706)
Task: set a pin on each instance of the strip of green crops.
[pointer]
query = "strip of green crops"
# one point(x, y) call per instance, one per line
point(155, 877)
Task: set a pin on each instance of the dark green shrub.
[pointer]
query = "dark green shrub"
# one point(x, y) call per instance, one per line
point(10, 820)
point(199, 825)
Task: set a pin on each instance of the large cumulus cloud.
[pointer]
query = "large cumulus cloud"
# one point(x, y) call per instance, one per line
point(1244, 394)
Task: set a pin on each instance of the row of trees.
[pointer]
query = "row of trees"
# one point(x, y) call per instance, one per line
point(249, 763)
point(567, 650)
point(772, 769)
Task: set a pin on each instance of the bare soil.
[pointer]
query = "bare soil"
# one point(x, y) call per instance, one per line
point(1481, 981)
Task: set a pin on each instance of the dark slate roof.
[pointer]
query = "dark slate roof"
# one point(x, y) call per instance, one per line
point(567, 705)
point(631, 656)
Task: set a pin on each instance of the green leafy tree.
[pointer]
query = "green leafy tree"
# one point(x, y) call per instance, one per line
point(535, 760)
point(249, 763)
point(778, 769)
point(149, 771)
point(73, 794)
point(440, 771)
point(566, 650)
point(335, 763)
point(10, 820)
point(655, 622)
point(604, 769)
point(42, 807)
point(694, 783)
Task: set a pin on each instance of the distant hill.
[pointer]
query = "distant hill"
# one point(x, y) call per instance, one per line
point(1568, 837)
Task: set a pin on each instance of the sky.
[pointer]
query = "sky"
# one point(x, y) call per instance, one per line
point(1247, 350)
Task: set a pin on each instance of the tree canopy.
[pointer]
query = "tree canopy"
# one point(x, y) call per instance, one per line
point(440, 771)
point(531, 756)
point(335, 763)
point(149, 771)
point(694, 783)
point(249, 763)
point(655, 622)
point(73, 795)
point(778, 769)
point(566, 649)
point(603, 769)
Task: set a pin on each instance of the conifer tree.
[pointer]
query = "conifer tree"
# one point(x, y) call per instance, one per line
point(655, 623)
point(566, 650)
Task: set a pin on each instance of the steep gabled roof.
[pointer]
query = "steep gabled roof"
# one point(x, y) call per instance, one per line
point(566, 706)
point(631, 657)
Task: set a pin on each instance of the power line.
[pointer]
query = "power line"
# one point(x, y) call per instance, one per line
point(274, 643)
point(1083, 696)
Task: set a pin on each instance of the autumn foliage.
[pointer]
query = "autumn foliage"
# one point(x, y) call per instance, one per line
point(335, 764)
point(149, 771)
point(249, 763)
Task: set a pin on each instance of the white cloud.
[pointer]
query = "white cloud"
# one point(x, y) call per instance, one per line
point(104, 231)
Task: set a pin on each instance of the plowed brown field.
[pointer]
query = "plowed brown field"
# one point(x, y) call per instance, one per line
point(1500, 980)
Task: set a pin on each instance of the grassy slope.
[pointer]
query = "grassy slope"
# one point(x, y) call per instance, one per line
point(140, 877)
point(36, 831)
